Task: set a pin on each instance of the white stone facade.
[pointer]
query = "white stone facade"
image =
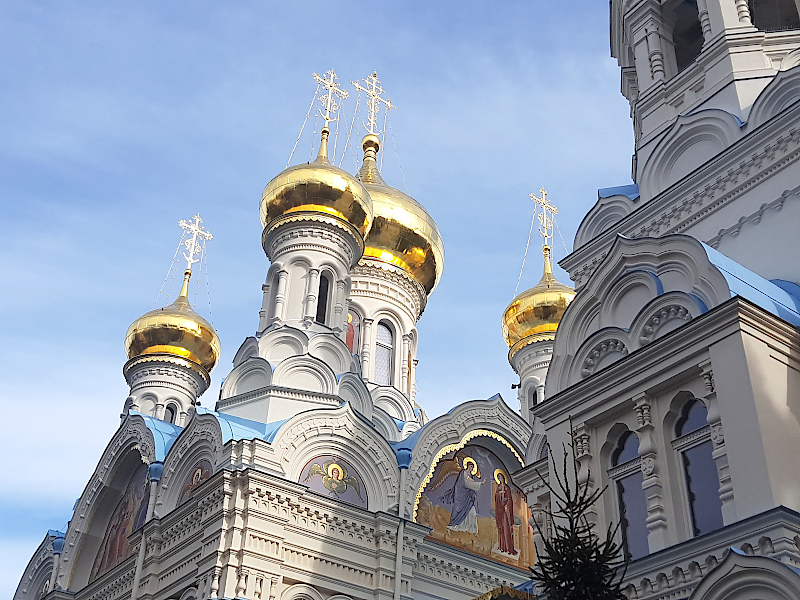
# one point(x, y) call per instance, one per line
point(688, 304)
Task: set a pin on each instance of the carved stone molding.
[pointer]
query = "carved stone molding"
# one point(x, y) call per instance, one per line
point(754, 218)
point(600, 351)
point(661, 318)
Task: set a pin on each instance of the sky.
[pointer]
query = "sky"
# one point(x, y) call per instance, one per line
point(119, 119)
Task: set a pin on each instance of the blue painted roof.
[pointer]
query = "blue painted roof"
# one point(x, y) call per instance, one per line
point(239, 428)
point(164, 434)
point(399, 424)
point(525, 586)
point(56, 533)
point(631, 191)
point(750, 286)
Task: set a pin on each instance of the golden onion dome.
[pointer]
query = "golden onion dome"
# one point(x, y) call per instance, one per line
point(403, 234)
point(317, 189)
point(176, 330)
point(534, 314)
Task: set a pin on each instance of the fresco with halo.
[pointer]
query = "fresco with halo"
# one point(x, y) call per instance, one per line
point(470, 502)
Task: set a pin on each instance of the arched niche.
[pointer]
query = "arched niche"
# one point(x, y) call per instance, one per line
point(330, 349)
point(352, 389)
point(603, 215)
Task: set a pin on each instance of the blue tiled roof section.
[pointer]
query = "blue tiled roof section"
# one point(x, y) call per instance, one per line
point(525, 586)
point(631, 191)
point(750, 286)
point(56, 533)
point(399, 424)
point(164, 434)
point(239, 428)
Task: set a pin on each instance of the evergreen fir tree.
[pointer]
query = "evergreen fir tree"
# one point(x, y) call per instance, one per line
point(576, 563)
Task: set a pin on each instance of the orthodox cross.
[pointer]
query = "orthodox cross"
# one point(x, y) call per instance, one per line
point(374, 92)
point(545, 217)
point(328, 104)
point(196, 243)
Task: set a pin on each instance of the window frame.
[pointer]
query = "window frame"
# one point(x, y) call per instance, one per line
point(391, 350)
point(617, 473)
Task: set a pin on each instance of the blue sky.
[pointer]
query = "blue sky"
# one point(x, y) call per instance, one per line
point(119, 119)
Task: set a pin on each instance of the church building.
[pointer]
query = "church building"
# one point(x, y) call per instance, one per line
point(670, 363)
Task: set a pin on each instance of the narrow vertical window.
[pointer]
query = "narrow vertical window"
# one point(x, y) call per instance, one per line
point(322, 298)
point(384, 351)
point(693, 442)
point(626, 473)
point(169, 413)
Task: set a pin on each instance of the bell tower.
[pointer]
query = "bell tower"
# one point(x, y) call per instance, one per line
point(680, 57)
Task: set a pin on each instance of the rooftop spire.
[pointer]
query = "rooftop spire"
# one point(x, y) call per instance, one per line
point(374, 91)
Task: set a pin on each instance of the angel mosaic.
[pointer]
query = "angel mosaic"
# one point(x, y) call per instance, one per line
point(337, 478)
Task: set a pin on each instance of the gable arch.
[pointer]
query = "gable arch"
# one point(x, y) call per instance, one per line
point(681, 275)
point(132, 436)
point(305, 372)
point(330, 349)
point(250, 375)
point(301, 591)
point(780, 93)
point(342, 432)
point(393, 402)
point(38, 572)
point(200, 439)
point(493, 416)
point(604, 214)
point(691, 141)
point(741, 577)
point(282, 343)
point(352, 389)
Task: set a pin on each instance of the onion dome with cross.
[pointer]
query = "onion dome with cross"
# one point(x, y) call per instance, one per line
point(318, 191)
point(403, 235)
point(177, 330)
point(534, 314)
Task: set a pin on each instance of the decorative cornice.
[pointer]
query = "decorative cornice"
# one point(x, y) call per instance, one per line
point(703, 192)
point(293, 232)
point(754, 218)
point(391, 275)
point(139, 369)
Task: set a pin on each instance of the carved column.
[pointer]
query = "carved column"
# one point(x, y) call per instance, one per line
point(720, 452)
point(280, 296)
point(705, 20)
point(339, 313)
point(159, 414)
point(366, 341)
point(241, 583)
point(583, 455)
point(312, 289)
point(273, 588)
point(743, 12)
point(214, 588)
point(651, 484)
point(655, 53)
point(404, 366)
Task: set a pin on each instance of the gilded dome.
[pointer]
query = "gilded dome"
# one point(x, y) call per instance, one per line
point(317, 189)
point(403, 234)
point(177, 330)
point(534, 314)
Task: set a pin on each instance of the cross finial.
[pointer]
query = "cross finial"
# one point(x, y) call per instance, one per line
point(194, 244)
point(374, 91)
point(328, 103)
point(544, 213)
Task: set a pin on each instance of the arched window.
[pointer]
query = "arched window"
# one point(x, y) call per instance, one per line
point(774, 15)
point(687, 34)
point(169, 413)
point(626, 473)
point(384, 351)
point(693, 442)
point(322, 297)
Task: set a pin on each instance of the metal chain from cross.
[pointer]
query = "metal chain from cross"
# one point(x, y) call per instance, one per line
point(374, 92)
point(545, 213)
point(194, 244)
point(328, 103)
